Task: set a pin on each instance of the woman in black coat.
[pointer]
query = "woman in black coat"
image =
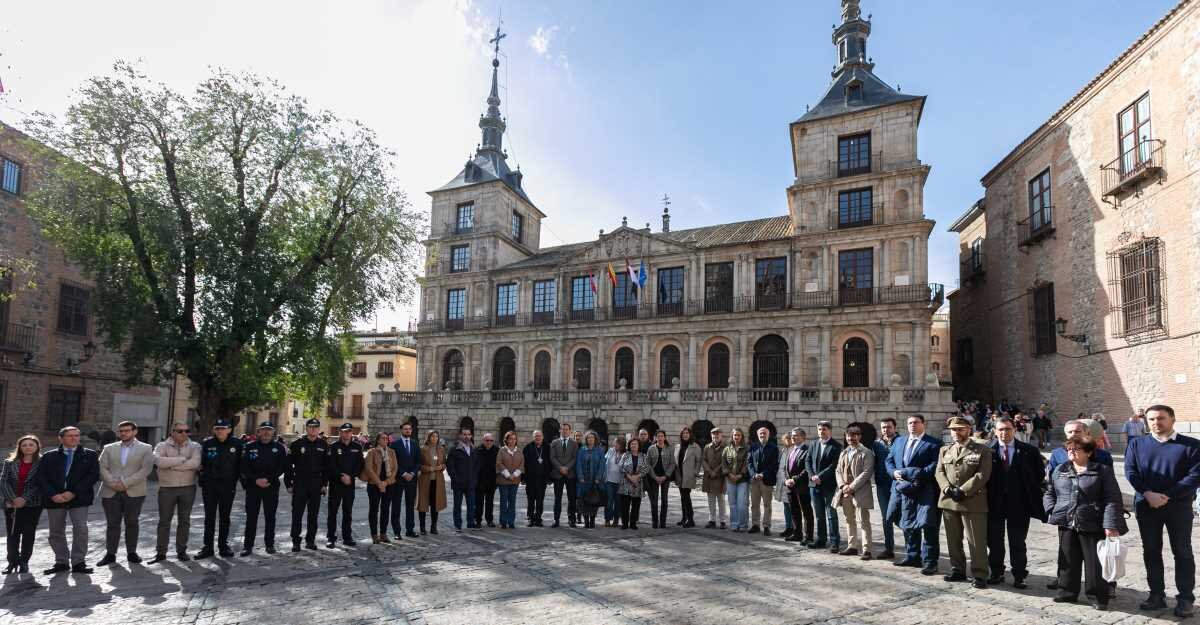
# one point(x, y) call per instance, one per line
point(21, 498)
point(1084, 501)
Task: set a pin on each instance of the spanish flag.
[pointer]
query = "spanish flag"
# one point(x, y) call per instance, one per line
point(612, 275)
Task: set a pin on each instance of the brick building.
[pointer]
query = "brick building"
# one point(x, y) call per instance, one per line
point(54, 368)
point(824, 311)
point(939, 348)
point(1081, 264)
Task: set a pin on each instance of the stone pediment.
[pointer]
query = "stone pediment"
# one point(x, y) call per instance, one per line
point(628, 243)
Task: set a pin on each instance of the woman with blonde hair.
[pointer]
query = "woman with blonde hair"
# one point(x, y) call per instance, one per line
point(510, 466)
point(431, 483)
point(781, 490)
point(22, 501)
point(737, 478)
point(379, 472)
point(590, 473)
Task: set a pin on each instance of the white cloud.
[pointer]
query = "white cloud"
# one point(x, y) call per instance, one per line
point(541, 39)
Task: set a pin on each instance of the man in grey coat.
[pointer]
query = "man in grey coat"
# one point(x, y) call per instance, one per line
point(124, 468)
point(562, 470)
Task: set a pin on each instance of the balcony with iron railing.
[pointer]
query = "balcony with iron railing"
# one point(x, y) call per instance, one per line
point(927, 294)
point(858, 217)
point(971, 267)
point(1142, 162)
point(1037, 226)
point(17, 337)
point(830, 396)
point(834, 169)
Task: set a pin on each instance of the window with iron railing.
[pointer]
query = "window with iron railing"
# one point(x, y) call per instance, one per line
point(460, 258)
point(670, 291)
point(854, 154)
point(464, 218)
point(855, 208)
point(358, 369)
point(625, 298)
point(770, 283)
point(1135, 284)
point(506, 304)
point(545, 301)
point(718, 287)
point(856, 276)
point(384, 369)
point(583, 299)
point(456, 308)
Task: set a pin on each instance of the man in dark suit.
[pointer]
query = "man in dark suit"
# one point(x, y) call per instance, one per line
point(408, 463)
point(822, 463)
point(799, 499)
point(563, 452)
point(67, 477)
point(485, 488)
point(462, 463)
point(1014, 497)
point(763, 461)
point(537, 475)
point(912, 461)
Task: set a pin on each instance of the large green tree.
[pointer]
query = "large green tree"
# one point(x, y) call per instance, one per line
point(234, 234)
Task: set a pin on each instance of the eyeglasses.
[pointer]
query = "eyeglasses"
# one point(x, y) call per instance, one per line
point(182, 431)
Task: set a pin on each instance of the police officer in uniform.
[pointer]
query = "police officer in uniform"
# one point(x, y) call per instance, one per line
point(345, 464)
point(263, 463)
point(307, 467)
point(963, 470)
point(220, 468)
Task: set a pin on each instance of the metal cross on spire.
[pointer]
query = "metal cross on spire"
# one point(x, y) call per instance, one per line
point(496, 40)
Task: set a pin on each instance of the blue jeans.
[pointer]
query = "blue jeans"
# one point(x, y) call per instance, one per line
point(610, 503)
point(924, 540)
point(884, 495)
point(739, 504)
point(827, 518)
point(508, 505)
point(459, 495)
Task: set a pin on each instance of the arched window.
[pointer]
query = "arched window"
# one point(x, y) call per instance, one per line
point(718, 366)
point(937, 369)
point(504, 370)
point(582, 369)
point(668, 366)
point(855, 370)
point(452, 369)
point(623, 369)
point(771, 367)
point(541, 371)
point(935, 340)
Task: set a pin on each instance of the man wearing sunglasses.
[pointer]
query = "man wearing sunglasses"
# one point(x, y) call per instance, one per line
point(178, 460)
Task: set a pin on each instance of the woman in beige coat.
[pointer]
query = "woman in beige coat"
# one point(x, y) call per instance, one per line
point(379, 472)
point(855, 471)
point(431, 483)
point(510, 468)
point(687, 468)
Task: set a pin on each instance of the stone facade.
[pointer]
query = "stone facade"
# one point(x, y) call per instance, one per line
point(41, 328)
point(821, 313)
point(1117, 249)
point(939, 348)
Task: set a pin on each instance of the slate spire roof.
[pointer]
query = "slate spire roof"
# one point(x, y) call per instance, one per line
point(855, 86)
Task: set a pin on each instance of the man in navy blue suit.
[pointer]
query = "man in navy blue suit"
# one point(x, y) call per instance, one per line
point(912, 462)
point(1014, 498)
point(408, 461)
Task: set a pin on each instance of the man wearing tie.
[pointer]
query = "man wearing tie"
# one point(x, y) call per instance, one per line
point(799, 499)
point(562, 464)
point(912, 462)
point(883, 481)
point(67, 476)
point(124, 467)
point(1014, 497)
point(822, 481)
point(408, 460)
point(463, 465)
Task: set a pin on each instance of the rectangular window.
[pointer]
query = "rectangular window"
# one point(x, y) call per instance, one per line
point(460, 258)
point(854, 154)
point(856, 276)
point(456, 307)
point(10, 176)
point(545, 301)
point(64, 407)
point(1133, 127)
point(73, 309)
point(718, 287)
point(464, 219)
point(583, 300)
point(337, 407)
point(506, 304)
point(358, 369)
point(670, 291)
point(356, 406)
point(1040, 212)
point(384, 369)
point(625, 298)
point(854, 208)
point(1135, 273)
point(518, 227)
point(1041, 316)
point(770, 283)
point(966, 357)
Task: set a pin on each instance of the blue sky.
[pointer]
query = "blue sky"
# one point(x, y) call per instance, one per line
point(610, 104)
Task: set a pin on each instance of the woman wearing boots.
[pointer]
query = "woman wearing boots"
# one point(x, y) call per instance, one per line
point(634, 469)
point(22, 501)
point(687, 469)
point(431, 483)
point(590, 471)
point(379, 472)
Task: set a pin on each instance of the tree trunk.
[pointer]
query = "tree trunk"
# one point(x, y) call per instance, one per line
point(211, 405)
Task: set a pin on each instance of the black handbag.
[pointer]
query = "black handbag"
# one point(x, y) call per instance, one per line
point(593, 498)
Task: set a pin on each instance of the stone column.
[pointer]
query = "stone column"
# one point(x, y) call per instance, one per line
point(743, 356)
point(920, 355)
point(796, 356)
point(483, 371)
point(689, 378)
point(557, 366)
point(826, 378)
point(887, 356)
point(522, 383)
point(600, 379)
point(641, 376)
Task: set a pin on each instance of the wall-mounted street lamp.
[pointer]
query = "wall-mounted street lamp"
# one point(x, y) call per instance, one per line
point(1060, 327)
point(89, 350)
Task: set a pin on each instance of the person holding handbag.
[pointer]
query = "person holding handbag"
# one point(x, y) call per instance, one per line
point(1084, 501)
point(590, 473)
point(687, 470)
point(662, 468)
point(634, 469)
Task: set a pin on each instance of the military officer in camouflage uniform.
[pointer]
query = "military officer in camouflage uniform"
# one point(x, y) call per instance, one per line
point(962, 475)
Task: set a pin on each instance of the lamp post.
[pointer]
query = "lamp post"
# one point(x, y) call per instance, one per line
point(89, 350)
point(1060, 327)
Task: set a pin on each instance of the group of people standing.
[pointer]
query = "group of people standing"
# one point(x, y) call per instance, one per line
point(986, 493)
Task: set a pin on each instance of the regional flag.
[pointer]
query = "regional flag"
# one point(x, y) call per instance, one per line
point(612, 275)
point(632, 273)
point(641, 279)
point(592, 280)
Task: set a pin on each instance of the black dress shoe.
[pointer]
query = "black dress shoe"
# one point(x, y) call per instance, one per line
point(787, 531)
point(270, 548)
point(820, 544)
point(310, 546)
point(433, 530)
point(350, 543)
point(996, 579)
point(330, 545)
point(794, 538)
point(1064, 598)
point(887, 555)
point(134, 558)
point(23, 569)
point(555, 524)
point(206, 552)
point(1019, 583)
point(954, 576)
point(247, 551)
point(226, 552)
point(107, 560)
point(929, 570)
point(1184, 608)
point(1153, 602)
point(490, 524)
point(907, 562)
point(766, 531)
point(753, 529)
point(56, 569)
point(979, 582)
point(1052, 584)
point(410, 534)
point(848, 551)
point(82, 568)
point(183, 556)
point(10, 569)
point(833, 548)
point(295, 547)
point(158, 557)
point(1097, 604)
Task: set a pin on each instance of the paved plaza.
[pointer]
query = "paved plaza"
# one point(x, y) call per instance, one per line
point(533, 575)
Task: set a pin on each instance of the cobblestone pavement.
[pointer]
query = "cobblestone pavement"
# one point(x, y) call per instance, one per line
point(534, 575)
